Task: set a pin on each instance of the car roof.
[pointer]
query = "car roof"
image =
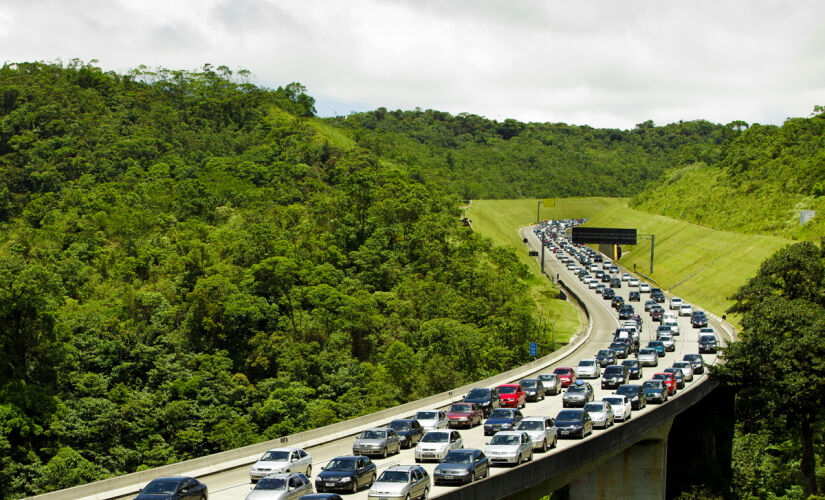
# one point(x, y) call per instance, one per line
point(284, 475)
point(288, 448)
point(404, 468)
point(508, 385)
point(510, 433)
point(534, 417)
point(172, 478)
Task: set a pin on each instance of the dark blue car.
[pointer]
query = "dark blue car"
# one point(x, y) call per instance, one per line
point(173, 488)
point(502, 419)
point(348, 473)
point(409, 430)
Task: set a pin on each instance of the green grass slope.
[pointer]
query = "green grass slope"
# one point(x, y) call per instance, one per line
point(702, 265)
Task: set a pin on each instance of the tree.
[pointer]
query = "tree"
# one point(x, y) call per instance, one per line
point(778, 363)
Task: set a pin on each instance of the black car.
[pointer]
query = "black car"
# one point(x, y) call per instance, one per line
point(570, 423)
point(620, 348)
point(634, 369)
point(615, 283)
point(606, 357)
point(486, 399)
point(173, 488)
point(698, 319)
point(605, 278)
point(634, 296)
point(615, 376)
point(502, 419)
point(696, 362)
point(635, 394)
point(462, 466)
point(626, 311)
point(617, 302)
point(409, 430)
point(655, 390)
point(657, 295)
point(347, 473)
point(707, 342)
point(608, 294)
point(533, 389)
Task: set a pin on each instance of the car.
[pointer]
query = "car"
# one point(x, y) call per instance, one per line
point(648, 357)
point(173, 488)
point(432, 419)
point(566, 374)
point(588, 368)
point(649, 304)
point(669, 380)
point(577, 395)
point(401, 481)
point(615, 283)
point(593, 284)
point(678, 375)
point(571, 423)
point(542, 430)
point(601, 413)
point(606, 264)
point(658, 346)
point(378, 441)
point(634, 296)
point(551, 383)
point(346, 473)
point(285, 486)
point(634, 367)
point(644, 288)
point(464, 415)
point(533, 388)
point(634, 282)
point(685, 310)
point(600, 288)
point(461, 466)
point(621, 348)
point(605, 357)
point(614, 376)
point(657, 313)
point(622, 409)
point(502, 419)
point(673, 325)
point(626, 311)
point(675, 303)
point(281, 460)
point(633, 392)
point(655, 391)
point(696, 362)
point(512, 396)
point(658, 295)
point(435, 444)
point(486, 398)
point(617, 302)
point(605, 278)
point(322, 496)
point(667, 340)
point(707, 342)
point(698, 319)
point(510, 447)
point(625, 276)
point(608, 294)
point(408, 430)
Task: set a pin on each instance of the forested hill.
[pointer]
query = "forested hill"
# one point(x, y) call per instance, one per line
point(480, 158)
point(765, 176)
point(187, 265)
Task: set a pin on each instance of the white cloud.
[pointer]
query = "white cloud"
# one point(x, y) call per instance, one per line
point(602, 63)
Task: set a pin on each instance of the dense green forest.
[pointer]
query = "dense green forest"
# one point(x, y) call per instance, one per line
point(480, 158)
point(188, 265)
point(761, 181)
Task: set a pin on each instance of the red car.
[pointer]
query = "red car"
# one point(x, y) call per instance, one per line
point(464, 414)
point(669, 380)
point(566, 375)
point(512, 396)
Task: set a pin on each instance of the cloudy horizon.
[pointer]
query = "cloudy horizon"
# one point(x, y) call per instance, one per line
point(602, 64)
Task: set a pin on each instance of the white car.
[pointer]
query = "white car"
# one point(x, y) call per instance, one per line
point(542, 431)
point(509, 447)
point(685, 310)
point(667, 340)
point(588, 368)
point(626, 277)
point(435, 444)
point(621, 406)
point(606, 264)
point(644, 288)
point(281, 460)
point(675, 303)
point(594, 284)
point(432, 419)
point(633, 282)
point(673, 324)
point(687, 369)
point(601, 413)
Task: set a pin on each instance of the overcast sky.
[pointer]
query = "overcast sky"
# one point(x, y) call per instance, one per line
point(602, 63)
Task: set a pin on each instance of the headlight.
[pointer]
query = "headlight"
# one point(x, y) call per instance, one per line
point(346, 479)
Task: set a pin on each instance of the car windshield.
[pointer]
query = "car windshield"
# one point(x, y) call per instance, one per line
point(478, 393)
point(373, 435)
point(271, 483)
point(528, 383)
point(593, 407)
point(394, 476)
point(505, 439)
point(501, 414)
point(587, 362)
point(681, 364)
point(568, 416)
point(530, 425)
point(605, 352)
point(562, 371)
point(547, 378)
point(642, 352)
point(161, 487)
point(577, 388)
point(507, 389)
point(340, 465)
point(461, 408)
point(425, 415)
point(275, 456)
point(400, 425)
point(615, 401)
point(458, 457)
point(435, 437)
point(652, 384)
point(613, 370)
point(627, 390)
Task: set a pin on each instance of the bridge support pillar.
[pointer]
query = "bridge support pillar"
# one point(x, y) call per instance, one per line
point(639, 471)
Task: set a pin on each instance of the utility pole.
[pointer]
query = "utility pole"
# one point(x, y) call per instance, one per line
point(538, 212)
point(542, 251)
point(652, 241)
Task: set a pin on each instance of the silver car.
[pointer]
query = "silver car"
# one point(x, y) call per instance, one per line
point(377, 442)
point(432, 419)
point(551, 382)
point(648, 357)
point(601, 413)
point(281, 487)
point(281, 460)
point(401, 481)
point(687, 369)
point(542, 431)
point(435, 444)
point(509, 447)
point(588, 368)
point(621, 406)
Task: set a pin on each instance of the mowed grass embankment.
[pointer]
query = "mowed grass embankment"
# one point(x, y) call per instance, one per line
point(703, 266)
point(501, 226)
